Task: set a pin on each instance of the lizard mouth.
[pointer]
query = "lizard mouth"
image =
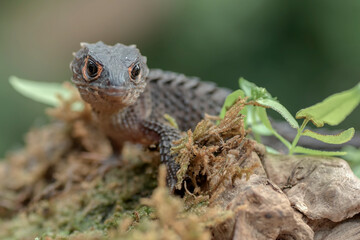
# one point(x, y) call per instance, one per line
point(102, 96)
point(100, 89)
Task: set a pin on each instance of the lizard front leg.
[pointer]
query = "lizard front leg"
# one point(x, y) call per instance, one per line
point(167, 135)
point(114, 160)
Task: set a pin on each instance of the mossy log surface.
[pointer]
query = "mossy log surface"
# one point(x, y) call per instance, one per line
point(229, 188)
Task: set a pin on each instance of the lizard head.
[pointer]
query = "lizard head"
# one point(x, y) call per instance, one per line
point(109, 76)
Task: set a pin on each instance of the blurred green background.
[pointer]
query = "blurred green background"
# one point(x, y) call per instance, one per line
point(301, 51)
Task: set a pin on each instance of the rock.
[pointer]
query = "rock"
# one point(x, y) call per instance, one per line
point(318, 187)
point(346, 230)
point(262, 210)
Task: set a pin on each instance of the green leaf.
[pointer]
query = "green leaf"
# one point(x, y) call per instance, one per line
point(356, 170)
point(309, 151)
point(261, 112)
point(271, 150)
point(353, 158)
point(261, 129)
point(43, 92)
point(353, 154)
point(246, 86)
point(252, 91)
point(230, 100)
point(334, 109)
point(340, 138)
point(40, 91)
point(275, 105)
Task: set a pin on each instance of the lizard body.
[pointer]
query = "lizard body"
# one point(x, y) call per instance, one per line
point(129, 101)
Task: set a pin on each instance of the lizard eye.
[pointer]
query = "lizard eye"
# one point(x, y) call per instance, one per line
point(91, 69)
point(134, 71)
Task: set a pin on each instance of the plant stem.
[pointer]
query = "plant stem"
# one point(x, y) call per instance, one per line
point(283, 140)
point(256, 135)
point(297, 137)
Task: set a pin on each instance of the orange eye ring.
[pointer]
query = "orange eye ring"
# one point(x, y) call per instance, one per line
point(92, 69)
point(134, 71)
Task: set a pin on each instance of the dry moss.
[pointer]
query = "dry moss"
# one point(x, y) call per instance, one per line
point(211, 155)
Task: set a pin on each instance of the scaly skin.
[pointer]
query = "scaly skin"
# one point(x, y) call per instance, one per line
point(129, 101)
